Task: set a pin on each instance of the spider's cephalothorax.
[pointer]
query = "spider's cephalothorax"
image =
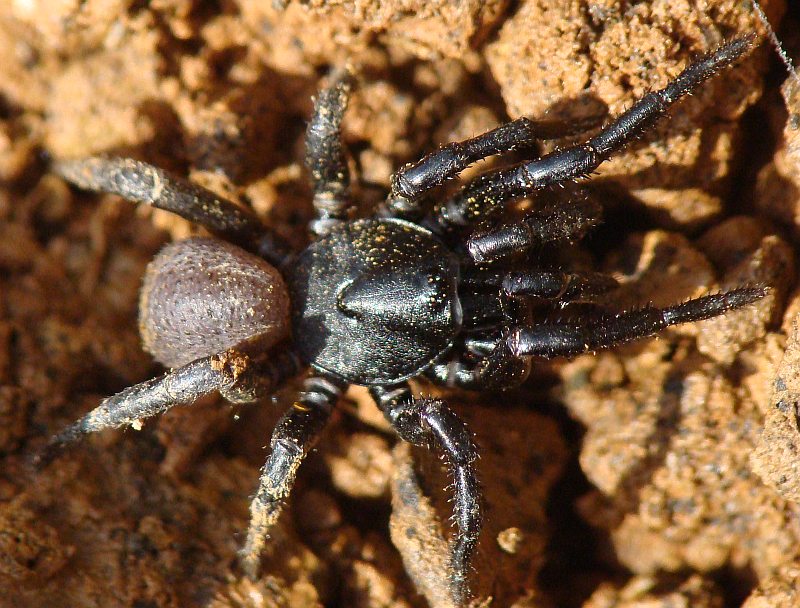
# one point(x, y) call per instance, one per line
point(412, 291)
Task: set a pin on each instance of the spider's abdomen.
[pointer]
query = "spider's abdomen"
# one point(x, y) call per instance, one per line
point(202, 296)
point(375, 301)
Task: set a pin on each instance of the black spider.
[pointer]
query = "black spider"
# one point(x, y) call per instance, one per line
point(378, 301)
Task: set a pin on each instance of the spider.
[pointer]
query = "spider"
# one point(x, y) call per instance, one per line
point(412, 291)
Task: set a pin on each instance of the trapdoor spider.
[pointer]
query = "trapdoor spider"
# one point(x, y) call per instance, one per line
point(412, 291)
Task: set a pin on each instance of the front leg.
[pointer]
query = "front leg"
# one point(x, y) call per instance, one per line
point(414, 180)
point(486, 195)
point(563, 223)
point(570, 338)
point(549, 340)
point(430, 423)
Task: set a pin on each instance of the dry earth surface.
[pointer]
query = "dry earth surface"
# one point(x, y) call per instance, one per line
point(660, 474)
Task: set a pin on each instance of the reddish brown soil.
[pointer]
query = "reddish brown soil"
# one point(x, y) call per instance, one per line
point(663, 473)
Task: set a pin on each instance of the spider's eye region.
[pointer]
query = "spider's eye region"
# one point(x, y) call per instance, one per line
point(398, 299)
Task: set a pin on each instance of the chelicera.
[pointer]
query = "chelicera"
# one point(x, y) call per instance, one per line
point(412, 291)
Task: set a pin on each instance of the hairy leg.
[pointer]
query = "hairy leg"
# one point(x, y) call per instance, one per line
point(548, 340)
point(431, 424)
point(414, 180)
point(566, 222)
point(292, 439)
point(326, 157)
point(235, 375)
point(486, 195)
point(140, 182)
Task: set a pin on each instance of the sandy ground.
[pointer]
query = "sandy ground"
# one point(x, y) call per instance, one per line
point(663, 473)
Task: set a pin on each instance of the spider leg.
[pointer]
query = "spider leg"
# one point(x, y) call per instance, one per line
point(566, 222)
point(411, 182)
point(488, 295)
point(463, 372)
point(292, 439)
point(482, 311)
point(326, 158)
point(140, 182)
point(490, 372)
point(554, 285)
point(430, 423)
point(545, 284)
point(486, 194)
point(550, 339)
point(235, 375)
point(512, 294)
point(457, 372)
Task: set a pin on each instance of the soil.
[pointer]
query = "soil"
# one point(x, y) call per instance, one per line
point(661, 473)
